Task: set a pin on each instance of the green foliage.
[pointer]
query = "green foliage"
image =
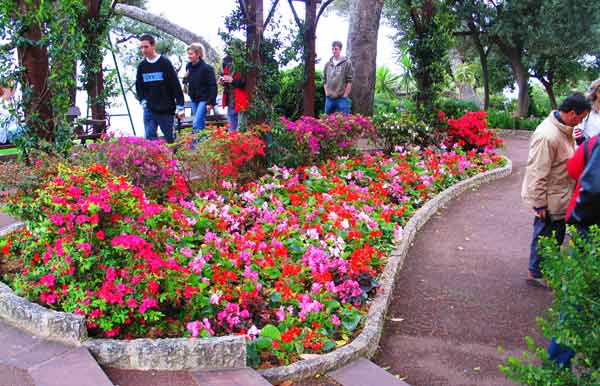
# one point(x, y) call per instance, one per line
point(283, 149)
point(424, 28)
point(279, 46)
point(398, 129)
point(455, 108)
point(574, 276)
point(387, 86)
point(288, 101)
point(507, 121)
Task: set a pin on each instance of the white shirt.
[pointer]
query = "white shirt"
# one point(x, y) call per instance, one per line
point(591, 124)
point(8, 126)
point(153, 60)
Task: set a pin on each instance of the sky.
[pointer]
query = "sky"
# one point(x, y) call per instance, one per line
point(205, 17)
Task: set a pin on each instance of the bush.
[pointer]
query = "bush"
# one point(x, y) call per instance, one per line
point(395, 129)
point(289, 100)
point(330, 136)
point(98, 248)
point(574, 276)
point(470, 132)
point(147, 164)
point(505, 120)
point(455, 108)
point(208, 159)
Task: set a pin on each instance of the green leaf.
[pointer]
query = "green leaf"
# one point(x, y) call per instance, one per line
point(270, 331)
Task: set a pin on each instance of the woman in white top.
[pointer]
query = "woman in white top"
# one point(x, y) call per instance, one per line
point(8, 126)
point(590, 126)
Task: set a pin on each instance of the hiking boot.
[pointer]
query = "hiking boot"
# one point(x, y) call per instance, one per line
point(536, 281)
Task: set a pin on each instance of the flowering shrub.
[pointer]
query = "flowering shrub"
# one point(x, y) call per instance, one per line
point(101, 249)
point(396, 129)
point(147, 164)
point(470, 131)
point(290, 261)
point(330, 136)
point(220, 155)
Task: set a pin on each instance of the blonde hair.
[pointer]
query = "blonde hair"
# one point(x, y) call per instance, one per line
point(197, 48)
point(592, 96)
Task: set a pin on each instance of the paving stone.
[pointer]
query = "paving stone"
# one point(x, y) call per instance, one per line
point(36, 355)
point(123, 377)
point(14, 341)
point(229, 377)
point(363, 372)
point(11, 376)
point(74, 368)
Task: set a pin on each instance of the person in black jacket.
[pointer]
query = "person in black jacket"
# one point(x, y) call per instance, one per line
point(201, 85)
point(158, 90)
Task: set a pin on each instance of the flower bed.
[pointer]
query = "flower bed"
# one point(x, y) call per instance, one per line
point(290, 261)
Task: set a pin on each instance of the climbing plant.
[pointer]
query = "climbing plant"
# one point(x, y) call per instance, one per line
point(47, 38)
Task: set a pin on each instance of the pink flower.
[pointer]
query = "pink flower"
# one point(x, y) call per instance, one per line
point(47, 280)
point(335, 320)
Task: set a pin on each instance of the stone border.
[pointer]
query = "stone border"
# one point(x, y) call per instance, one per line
point(227, 351)
point(367, 342)
point(138, 354)
point(171, 353)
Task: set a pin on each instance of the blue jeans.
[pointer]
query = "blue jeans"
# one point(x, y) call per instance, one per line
point(199, 113)
point(233, 119)
point(542, 228)
point(153, 120)
point(337, 105)
point(559, 354)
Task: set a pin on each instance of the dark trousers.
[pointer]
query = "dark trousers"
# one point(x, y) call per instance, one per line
point(543, 228)
point(560, 354)
point(153, 120)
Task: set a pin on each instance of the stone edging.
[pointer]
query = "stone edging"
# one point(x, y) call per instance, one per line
point(366, 343)
point(227, 351)
point(139, 354)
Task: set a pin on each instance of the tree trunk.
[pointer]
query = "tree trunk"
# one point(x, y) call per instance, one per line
point(310, 56)
point(166, 26)
point(515, 56)
point(253, 40)
point(34, 58)
point(549, 87)
point(485, 73)
point(93, 59)
point(362, 51)
point(483, 56)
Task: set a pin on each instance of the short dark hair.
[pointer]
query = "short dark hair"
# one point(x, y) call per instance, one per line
point(576, 101)
point(149, 38)
point(337, 43)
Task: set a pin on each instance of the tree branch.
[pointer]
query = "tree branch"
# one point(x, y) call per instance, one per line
point(271, 12)
point(168, 27)
point(244, 8)
point(295, 14)
point(325, 5)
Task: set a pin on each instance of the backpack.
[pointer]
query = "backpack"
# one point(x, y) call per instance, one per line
point(587, 206)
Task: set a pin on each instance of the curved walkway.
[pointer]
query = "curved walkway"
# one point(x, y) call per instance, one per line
point(462, 291)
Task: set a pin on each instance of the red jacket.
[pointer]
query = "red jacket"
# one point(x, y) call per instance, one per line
point(575, 168)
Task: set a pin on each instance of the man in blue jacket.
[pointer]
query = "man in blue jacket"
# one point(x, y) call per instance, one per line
point(158, 90)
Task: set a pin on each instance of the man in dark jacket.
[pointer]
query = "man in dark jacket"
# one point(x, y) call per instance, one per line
point(158, 90)
point(201, 85)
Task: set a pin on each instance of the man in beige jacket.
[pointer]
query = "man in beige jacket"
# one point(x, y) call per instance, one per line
point(547, 187)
